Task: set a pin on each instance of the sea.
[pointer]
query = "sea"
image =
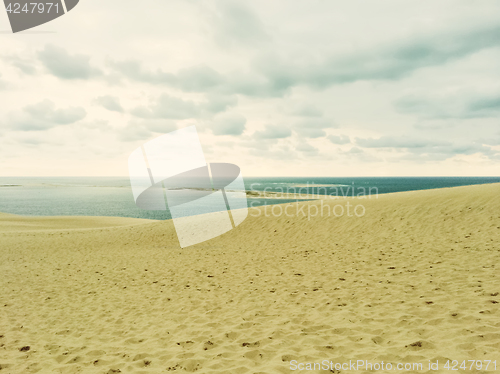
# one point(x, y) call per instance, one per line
point(112, 196)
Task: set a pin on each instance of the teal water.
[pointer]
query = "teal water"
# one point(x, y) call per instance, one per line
point(112, 196)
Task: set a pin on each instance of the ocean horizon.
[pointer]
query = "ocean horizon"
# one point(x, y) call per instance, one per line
point(112, 196)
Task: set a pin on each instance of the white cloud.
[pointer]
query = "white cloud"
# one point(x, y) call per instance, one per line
point(273, 132)
point(66, 66)
point(168, 107)
point(43, 116)
point(228, 124)
point(110, 103)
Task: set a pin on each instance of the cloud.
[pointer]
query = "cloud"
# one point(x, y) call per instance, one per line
point(308, 111)
point(342, 139)
point(434, 124)
point(97, 124)
point(427, 149)
point(485, 105)
point(168, 107)
point(256, 143)
point(3, 83)
point(273, 75)
point(216, 103)
point(134, 132)
point(198, 78)
point(276, 153)
point(26, 66)
point(355, 150)
point(157, 125)
point(399, 142)
point(306, 148)
point(392, 61)
point(43, 116)
point(229, 124)
point(65, 66)
point(313, 127)
point(203, 79)
point(193, 79)
point(273, 132)
point(144, 129)
point(33, 140)
point(234, 23)
point(111, 103)
point(274, 72)
point(133, 69)
point(464, 104)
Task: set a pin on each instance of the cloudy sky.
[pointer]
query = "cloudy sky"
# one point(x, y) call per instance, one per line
point(281, 88)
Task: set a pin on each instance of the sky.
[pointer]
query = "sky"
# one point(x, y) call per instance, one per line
point(281, 88)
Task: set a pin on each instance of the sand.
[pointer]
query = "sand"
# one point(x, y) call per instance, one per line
point(417, 278)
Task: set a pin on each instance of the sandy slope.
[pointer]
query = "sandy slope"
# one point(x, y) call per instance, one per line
point(417, 278)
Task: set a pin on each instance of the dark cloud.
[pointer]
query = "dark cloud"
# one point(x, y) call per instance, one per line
point(194, 79)
point(456, 105)
point(65, 66)
point(198, 78)
point(229, 124)
point(273, 132)
point(339, 139)
point(234, 23)
point(43, 116)
point(485, 105)
point(390, 62)
point(111, 103)
point(273, 75)
point(308, 111)
point(203, 79)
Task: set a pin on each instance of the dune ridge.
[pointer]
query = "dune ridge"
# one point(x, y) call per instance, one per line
point(414, 279)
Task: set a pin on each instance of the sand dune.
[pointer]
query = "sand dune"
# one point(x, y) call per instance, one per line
point(415, 279)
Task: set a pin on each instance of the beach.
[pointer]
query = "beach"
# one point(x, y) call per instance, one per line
point(414, 278)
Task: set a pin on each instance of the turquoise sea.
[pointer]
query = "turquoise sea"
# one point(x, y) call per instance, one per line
point(112, 196)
